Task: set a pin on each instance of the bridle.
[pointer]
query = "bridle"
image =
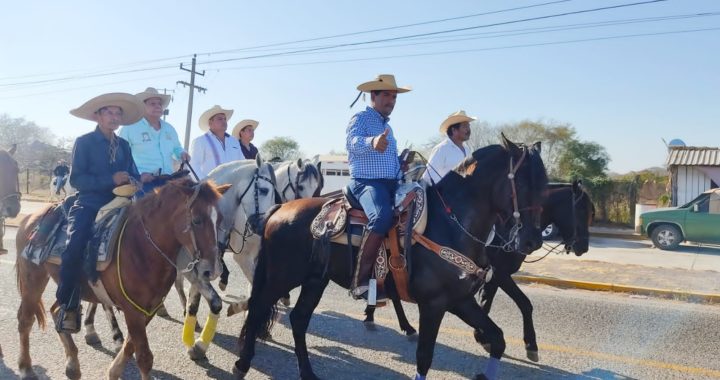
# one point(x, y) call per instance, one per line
point(513, 241)
point(194, 255)
point(248, 230)
point(289, 185)
point(13, 195)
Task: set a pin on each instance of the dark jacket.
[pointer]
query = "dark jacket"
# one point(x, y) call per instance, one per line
point(61, 170)
point(92, 170)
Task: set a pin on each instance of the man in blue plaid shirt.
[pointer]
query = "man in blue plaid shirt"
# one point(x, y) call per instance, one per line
point(374, 171)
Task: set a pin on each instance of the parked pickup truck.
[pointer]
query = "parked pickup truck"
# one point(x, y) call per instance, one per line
point(697, 221)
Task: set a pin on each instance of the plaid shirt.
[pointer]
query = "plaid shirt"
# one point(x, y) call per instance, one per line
point(365, 162)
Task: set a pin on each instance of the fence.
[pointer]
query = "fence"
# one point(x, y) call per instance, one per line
point(35, 182)
point(615, 199)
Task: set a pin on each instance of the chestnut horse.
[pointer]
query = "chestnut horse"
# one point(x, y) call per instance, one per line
point(507, 181)
point(181, 214)
point(9, 193)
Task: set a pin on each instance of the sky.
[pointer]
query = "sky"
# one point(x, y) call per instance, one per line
point(624, 78)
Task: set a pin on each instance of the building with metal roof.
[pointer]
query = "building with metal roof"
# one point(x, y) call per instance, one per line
point(693, 170)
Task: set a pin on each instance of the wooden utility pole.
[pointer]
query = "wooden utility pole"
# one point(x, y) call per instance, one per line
point(193, 87)
point(165, 91)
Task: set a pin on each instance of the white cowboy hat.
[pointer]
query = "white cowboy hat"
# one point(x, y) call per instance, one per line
point(383, 82)
point(204, 121)
point(454, 118)
point(127, 190)
point(133, 108)
point(242, 124)
point(150, 93)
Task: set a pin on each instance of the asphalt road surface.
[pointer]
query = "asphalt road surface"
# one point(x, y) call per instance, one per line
point(582, 335)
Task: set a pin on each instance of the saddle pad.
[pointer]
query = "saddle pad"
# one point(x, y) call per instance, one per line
point(49, 230)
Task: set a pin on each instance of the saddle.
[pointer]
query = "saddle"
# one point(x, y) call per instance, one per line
point(48, 239)
point(343, 221)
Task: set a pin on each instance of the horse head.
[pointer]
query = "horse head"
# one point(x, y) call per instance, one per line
point(9, 184)
point(194, 217)
point(252, 194)
point(584, 213)
point(298, 179)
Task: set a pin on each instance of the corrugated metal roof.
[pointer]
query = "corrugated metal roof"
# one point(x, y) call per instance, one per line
point(693, 156)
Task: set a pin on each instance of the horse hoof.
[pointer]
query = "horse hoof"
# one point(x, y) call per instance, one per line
point(486, 346)
point(285, 301)
point(196, 353)
point(533, 356)
point(92, 339)
point(28, 374)
point(239, 374)
point(370, 325)
point(412, 336)
point(72, 373)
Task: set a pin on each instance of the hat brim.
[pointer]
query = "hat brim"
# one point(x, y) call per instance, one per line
point(143, 96)
point(133, 108)
point(454, 120)
point(204, 122)
point(381, 86)
point(239, 127)
point(127, 190)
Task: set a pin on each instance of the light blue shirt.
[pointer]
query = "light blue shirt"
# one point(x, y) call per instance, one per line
point(364, 161)
point(151, 149)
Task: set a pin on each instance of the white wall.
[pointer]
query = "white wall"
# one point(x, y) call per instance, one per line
point(689, 184)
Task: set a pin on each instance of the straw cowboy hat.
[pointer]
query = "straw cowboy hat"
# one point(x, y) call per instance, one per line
point(244, 123)
point(127, 190)
point(205, 117)
point(383, 82)
point(150, 93)
point(454, 118)
point(133, 108)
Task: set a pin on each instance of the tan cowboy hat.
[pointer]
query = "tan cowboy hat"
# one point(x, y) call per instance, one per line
point(244, 123)
point(133, 108)
point(127, 190)
point(454, 118)
point(204, 121)
point(383, 82)
point(150, 93)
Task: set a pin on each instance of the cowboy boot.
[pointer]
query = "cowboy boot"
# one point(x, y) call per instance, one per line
point(366, 263)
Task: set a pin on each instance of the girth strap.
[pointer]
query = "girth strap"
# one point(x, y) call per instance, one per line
point(398, 266)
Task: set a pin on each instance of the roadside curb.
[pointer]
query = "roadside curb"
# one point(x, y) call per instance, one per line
point(618, 235)
point(601, 286)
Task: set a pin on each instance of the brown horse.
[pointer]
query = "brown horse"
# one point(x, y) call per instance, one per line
point(180, 214)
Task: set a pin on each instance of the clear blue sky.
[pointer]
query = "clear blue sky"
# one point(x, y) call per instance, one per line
point(625, 94)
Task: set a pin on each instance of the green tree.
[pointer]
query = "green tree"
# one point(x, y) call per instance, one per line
point(285, 148)
point(583, 160)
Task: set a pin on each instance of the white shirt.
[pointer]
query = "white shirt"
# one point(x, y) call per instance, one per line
point(444, 157)
point(204, 148)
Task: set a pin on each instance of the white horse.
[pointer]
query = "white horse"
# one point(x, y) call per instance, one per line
point(295, 180)
point(63, 192)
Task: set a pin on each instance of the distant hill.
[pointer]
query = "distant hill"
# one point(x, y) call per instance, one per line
point(657, 170)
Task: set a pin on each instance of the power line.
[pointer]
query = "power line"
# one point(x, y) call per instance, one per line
point(384, 29)
point(437, 32)
point(473, 50)
point(86, 76)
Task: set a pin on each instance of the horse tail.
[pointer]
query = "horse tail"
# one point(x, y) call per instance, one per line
point(39, 307)
point(259, 315)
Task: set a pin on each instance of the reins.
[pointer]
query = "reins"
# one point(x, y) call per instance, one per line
point(290, 184)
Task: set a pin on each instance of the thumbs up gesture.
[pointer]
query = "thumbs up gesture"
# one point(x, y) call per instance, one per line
point(380, 142)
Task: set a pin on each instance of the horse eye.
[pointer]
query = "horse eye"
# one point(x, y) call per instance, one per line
point(264, 192)
point(301, 188)
point(196, 221)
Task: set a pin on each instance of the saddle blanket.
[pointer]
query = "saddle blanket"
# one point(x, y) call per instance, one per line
point(49, 238)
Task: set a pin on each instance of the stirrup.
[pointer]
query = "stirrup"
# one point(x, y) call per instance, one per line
point(65, 325)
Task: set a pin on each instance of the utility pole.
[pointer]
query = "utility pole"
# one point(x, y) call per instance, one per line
point(193, 87)
point(165, 91)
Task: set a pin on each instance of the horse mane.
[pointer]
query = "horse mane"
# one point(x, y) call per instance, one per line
point(151, 202)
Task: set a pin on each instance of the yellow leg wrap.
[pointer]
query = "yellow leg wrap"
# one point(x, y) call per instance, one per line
point(188, 335)
point(208, 332)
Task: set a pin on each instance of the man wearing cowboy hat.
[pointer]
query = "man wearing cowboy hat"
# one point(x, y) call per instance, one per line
point(374, 171)
point(446, 155)
point(100, 162)
point(215, 147)
point(154, 142)
point(244, 131)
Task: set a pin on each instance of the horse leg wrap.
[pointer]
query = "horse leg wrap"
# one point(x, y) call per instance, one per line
point(188, 334)
point(208, 332)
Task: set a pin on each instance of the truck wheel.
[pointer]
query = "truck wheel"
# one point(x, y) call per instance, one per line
point(666, 237)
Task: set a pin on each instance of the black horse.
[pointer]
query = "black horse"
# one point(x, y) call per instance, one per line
point(499, 181)
point(570, 208)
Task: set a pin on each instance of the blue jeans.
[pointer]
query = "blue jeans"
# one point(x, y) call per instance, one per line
point(376, 197)
point(80, 223)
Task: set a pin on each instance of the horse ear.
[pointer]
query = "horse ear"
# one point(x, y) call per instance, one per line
point(509, 145)
point(537, 146)
point(222, 189)
point(300, 163)
point(13, 149)
point(258, 160)
point(577, 185)
point(318, 166)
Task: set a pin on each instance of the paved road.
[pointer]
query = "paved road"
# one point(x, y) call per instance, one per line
point(582, 335)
